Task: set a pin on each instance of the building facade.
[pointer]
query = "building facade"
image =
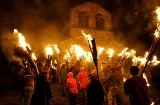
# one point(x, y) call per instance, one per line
point(94, 20)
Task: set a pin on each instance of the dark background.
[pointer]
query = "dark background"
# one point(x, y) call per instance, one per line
point(47, 21)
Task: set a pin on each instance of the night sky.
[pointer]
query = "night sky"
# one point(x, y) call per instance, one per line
point(47, 21)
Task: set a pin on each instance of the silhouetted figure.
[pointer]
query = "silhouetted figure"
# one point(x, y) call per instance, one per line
point(42, 92)
point(28, 80)
point(71, 86)
point(95, 92)
point(63, 77)
point(136, 88)
point(73, 69)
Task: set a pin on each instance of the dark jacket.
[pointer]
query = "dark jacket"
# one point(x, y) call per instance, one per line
point(95, 93)
point(42, 92)
point(136, 88)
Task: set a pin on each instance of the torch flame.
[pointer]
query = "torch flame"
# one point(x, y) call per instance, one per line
point(22, 41)
point(110, 52)
point(88, 37)
point(155, 61)
point(123, 52)
point(145, 77)
point(48, 50)
point(158, 13)
point(56, 48)
point(77, 50)
point(100, 50)
point(34, 56)
point(67, 56)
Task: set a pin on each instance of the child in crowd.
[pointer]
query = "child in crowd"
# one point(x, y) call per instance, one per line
point(71, 86)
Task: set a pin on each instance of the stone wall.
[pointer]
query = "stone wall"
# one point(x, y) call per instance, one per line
point(104, 37)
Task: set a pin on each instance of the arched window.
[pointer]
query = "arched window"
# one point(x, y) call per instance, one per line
point(99, 21)
point(83, 20)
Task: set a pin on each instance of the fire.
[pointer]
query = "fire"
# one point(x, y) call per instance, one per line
point(156, 33)
point(55, 62)
point(144, 76)
point(152, 103)
point(123, 52)
point(134, 60)
point(158, 13)
point(124, 79)
point(34, 56)
point(22, 41)
point(77, 50)
point(88, 56)
point(110, 52)
point(88, 37)
point(67, 56)
point(100, 50)
point(48, 50)
point(154, 61)
point(56, 48)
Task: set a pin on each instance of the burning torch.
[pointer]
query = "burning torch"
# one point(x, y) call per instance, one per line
point(49, 53)
point(155, 43)
point(27, 51)
point(92, 46)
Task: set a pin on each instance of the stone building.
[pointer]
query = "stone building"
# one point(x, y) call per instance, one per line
point(92, 19)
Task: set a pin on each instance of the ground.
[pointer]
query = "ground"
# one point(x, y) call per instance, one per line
point(14, 97)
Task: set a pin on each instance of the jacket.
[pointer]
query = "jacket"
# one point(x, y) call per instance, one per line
point(83, 79)
point(71, 83)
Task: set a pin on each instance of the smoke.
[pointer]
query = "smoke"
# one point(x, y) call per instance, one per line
point(8, 44)
point(41, 22)
point(47, 21)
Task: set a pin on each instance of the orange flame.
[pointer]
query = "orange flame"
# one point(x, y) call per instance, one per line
point(56, 48)
point(48, 50)
point(88, 37)
point(145, 77)
point(22, 41)
point(110, 52)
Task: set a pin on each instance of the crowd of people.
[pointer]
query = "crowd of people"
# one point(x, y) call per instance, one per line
point(37, 90)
